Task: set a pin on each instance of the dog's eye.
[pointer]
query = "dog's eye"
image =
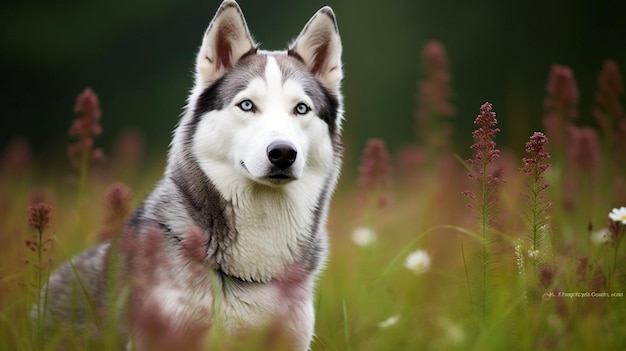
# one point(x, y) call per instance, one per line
point(246, 106)
point(302, 109)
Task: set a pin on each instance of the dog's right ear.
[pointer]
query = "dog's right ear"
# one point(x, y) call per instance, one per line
point(319, 47)
point(226, 40)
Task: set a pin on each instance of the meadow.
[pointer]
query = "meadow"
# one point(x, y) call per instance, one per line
point(515, 248)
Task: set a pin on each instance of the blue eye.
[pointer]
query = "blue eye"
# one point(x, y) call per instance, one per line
point(302, 109)
point(246, 106)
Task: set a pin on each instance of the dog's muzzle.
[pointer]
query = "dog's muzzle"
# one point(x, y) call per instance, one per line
point(281, 154)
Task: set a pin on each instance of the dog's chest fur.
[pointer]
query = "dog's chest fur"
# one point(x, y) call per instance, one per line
point(271, 229)
point(274, 228)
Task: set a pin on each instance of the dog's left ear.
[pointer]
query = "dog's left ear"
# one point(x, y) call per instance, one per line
point(319, 47)
point(226, 40)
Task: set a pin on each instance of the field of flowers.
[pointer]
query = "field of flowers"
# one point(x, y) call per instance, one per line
point(516, 249)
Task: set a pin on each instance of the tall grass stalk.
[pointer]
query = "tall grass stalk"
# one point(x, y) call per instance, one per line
point(467, 279)
point(346, 326)
point(83, 175)
point(85, 292)
point(82, 188)
point(42, 291)
point(484, 215)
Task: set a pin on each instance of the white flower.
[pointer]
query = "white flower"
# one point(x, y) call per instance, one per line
point(389, 321)
point(601, 236)
point(618, 215)
point(363, 236)
point(418, 261)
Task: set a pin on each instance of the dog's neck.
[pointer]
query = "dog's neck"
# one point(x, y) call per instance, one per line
point(273, 226)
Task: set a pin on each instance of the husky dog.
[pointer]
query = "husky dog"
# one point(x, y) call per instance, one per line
point(234, 233)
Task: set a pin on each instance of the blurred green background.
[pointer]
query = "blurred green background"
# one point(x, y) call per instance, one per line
point(138, 56)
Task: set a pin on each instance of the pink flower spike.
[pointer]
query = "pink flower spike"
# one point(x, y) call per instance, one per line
point(39, 216)
point(86, 127)
point(484, 145)
point(536, 164)
point(561, 105)
point(375, 167)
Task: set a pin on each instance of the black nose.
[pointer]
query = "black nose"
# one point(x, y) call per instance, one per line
point(281, 154)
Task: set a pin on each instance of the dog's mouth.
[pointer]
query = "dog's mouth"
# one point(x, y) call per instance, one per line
point(280, 178)
point(274, 177)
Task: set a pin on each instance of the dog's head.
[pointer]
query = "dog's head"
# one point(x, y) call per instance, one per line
point(266, 117)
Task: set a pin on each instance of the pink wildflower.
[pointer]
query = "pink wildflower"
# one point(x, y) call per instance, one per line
point(482, 170)
point(538, 208)
point(434, 91)
point(609, 110)
point(561, 104)
point(38, 219)
point(155, 328)
point(583, 166)
point(562, 92)
point(85, 128)
point(433, 97)
point(536, 164)
point(195, 245)
point(129, 146)
point(482, 165)
point(39, 216)
point(375, 167)
point(584, 150)
point(117, 209)
point(534, 167)
point(484, 145)
point(150, 259)
point(410, 162)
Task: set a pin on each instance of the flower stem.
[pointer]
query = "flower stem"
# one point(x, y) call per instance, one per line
point(82, 186)
point(484, 222)
point(617, 242)
point(40, 277)
point(84, 169)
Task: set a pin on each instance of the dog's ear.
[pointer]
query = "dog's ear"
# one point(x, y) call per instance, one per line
point(226, 40)
point(319, 47)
